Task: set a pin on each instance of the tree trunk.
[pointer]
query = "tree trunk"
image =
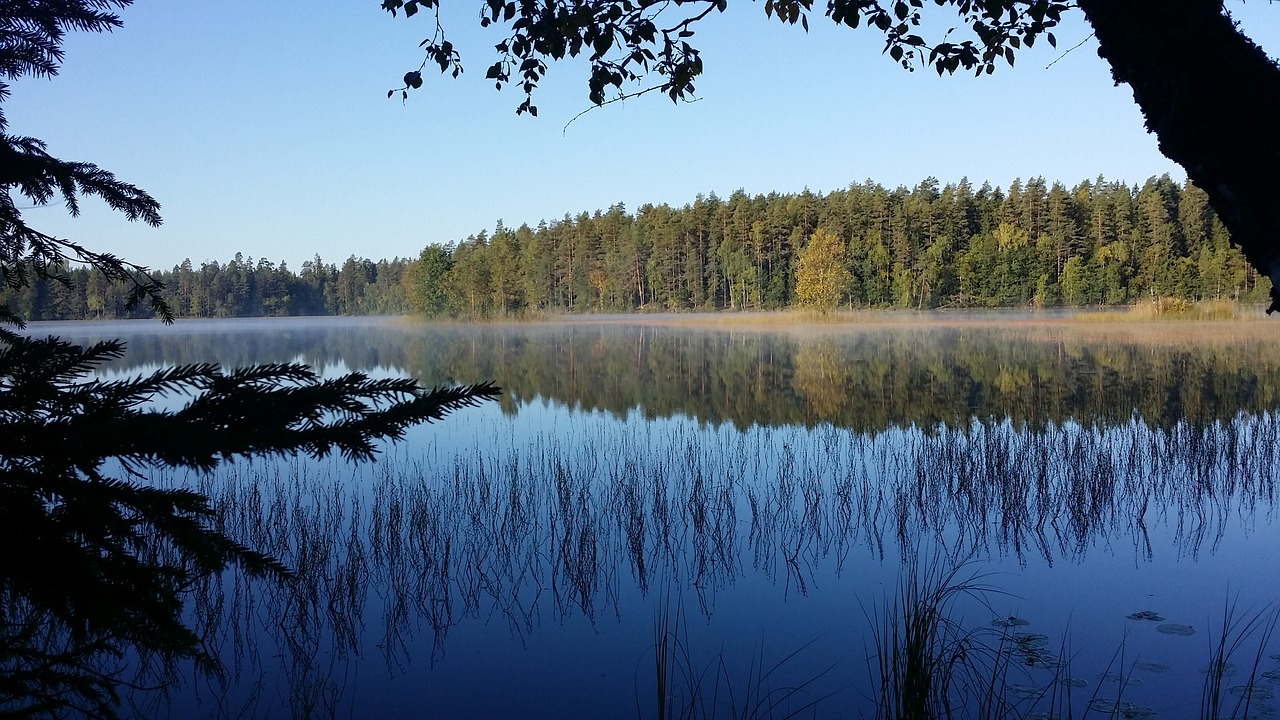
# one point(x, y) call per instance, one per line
point(1212, 98)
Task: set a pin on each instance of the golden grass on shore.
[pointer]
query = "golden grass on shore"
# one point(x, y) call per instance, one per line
point(1161, 320)
point(1175, 309)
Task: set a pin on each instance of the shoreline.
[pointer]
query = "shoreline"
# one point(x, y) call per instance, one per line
point(1026, 322)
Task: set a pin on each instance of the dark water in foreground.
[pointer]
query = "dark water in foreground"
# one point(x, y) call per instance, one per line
point(759, 489)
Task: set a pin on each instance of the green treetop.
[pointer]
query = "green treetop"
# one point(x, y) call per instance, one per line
point(1211, 96)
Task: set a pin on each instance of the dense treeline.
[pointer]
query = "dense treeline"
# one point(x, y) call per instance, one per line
point(1097, 243)
point(239, 288)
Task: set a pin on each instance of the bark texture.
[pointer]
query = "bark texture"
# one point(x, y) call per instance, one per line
point(1212, 98)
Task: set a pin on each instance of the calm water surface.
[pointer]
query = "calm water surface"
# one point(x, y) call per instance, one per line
point(757, 487)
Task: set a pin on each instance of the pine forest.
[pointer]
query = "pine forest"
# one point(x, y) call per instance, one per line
point(1034, 244)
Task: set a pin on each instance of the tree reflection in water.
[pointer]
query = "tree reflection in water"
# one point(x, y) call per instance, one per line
point(723, 464)
point(862, 377)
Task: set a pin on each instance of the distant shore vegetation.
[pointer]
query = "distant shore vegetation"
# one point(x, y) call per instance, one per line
point(1100, 243)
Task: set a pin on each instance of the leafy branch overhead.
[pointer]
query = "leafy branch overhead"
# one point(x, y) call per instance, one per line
point(626, 40)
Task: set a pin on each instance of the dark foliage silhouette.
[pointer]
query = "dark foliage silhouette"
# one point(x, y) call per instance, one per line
point(97, 561)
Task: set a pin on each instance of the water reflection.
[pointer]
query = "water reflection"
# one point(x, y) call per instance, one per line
point(768, 484)
point(529, 538)
point(865, 377)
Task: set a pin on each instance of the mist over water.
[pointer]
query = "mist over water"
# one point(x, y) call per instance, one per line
point(763, 484)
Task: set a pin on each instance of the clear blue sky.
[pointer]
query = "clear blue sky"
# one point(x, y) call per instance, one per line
point(264, 127)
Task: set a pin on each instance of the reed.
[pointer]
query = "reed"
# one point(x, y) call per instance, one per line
point(923, 662)
point(662, 668)
point(690, 690)
point(389, 563)
point(1167, 308)
point(1236, 632)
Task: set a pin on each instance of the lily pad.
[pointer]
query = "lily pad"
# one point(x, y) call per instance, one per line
point(1008, 622)
point(1150, 666)
point(1257, 711)
point(1106, 705)
point(1037, 659)
point(1121, 708)
point(1030, 641)
point(1224, 668)
point(1075, 682)
point(1175, 629)
point(1272, 676)
point(1151, 615)
point(1041, 661)
point(1126, 680)
point(1029, 650)
point(1027, 692)
point(1253, 692)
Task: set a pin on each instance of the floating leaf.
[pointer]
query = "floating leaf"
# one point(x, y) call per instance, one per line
point(1149, 666)
point(1121, 708)
point(1009, 622)
point(1030, 641)
point(1126, 680)
point(1253, 692)
point(1272, 676)
point(1146, 615)
point(1175, 629)
point(1027, 692)
point(1223, 668)
point(1075, 682)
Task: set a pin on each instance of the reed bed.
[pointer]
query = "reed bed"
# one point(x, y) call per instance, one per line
point(1169, 308)
point(390, 561)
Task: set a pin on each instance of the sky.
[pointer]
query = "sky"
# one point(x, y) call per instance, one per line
point(265, 128)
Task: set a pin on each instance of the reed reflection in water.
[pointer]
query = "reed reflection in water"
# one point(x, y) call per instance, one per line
point(765, 485)
point(477, 577)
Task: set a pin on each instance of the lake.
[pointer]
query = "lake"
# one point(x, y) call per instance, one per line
point(711, 516)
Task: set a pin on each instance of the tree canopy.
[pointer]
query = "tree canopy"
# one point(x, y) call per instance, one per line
point(1211, 95)
point(1036, 242)
point(821, 275)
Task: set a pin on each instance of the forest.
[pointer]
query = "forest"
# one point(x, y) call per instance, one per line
point(240, 287)
point(1035, 244)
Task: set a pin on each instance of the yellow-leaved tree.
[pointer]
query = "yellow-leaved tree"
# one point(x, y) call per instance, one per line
point(821, 275)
